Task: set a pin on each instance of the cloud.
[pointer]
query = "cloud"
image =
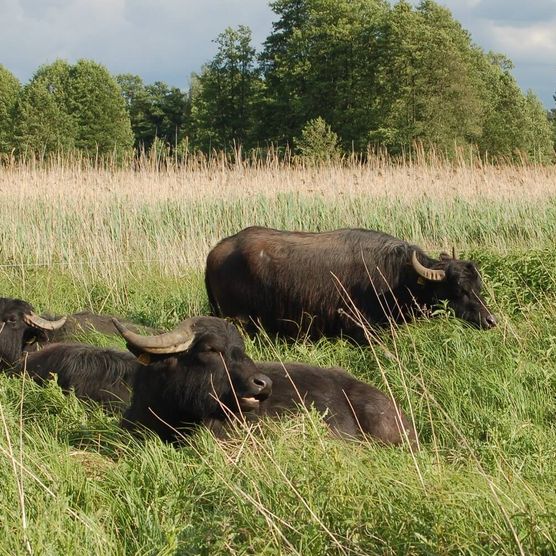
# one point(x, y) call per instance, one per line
point(517, 11)
point(523, 31)
point(167, 40)
point(157, 39)
point(536, 41)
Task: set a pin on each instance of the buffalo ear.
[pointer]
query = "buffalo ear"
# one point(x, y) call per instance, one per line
point(144, 359)
point(444, 256)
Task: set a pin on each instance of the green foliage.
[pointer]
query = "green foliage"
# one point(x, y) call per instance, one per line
point(538, 132)
point(225, 95)
point(67, 107)
point(552, 120)
point(156, 111)
point(392, 75)
point(515, 125)
point(94, 100)
point(9, 91)
point(318, 143)
point(427, 86)
point(43, 122)
point(381, 74)
point(285, 65)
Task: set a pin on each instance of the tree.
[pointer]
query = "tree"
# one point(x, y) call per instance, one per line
point(318, 143)
point(225, 95)
point(428, 88)
point(67, 107)
point(96, 103)
point(284, 66)
point(505, 122)
point(538, 131)
point(9, 91)
point(552, 119)
point(389, 74)
point(156, 111)
point(43, 122)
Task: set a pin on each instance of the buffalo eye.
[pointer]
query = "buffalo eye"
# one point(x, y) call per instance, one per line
point(11, 319)
point(208, 348)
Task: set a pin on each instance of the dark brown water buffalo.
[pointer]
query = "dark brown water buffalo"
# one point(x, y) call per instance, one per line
point(297, 283)
point(21, 329)
point(98, 374)
point(180, 379)
point(163, 395)
point(351, 408)
point(200, 374)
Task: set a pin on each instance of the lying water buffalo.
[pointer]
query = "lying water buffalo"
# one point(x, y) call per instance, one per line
point(297, 283)
point(350, 407)
point(21, 329)
point(99, 374)
point(200, 374)
point(187, 376)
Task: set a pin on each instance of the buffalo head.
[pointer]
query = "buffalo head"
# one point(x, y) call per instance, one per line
point(20, 328)
point(459, 283)
point(198, 371)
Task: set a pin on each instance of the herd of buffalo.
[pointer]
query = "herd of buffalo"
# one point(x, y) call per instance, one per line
point(293, 284)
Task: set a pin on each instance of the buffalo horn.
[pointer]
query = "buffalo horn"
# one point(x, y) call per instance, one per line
point(177, 341)
point(38, 322)
point(427, 273)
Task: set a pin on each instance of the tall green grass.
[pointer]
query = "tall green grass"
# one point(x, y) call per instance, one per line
point(483, 402)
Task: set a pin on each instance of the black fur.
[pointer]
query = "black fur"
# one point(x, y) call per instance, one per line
point(101, 375)
point(85, 321)
point(202, 386)
point(172, 394)
point(352, 408)
point(16, 336)
point(298, 283)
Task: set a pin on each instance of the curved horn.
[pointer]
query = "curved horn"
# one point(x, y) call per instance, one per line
point(177, 341)
point(427, 273)
point(38, 322)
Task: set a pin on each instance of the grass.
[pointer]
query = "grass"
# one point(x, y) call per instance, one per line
point(134, 243)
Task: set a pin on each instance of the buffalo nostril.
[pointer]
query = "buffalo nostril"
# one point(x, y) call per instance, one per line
point(262, 382)
point(491, 321)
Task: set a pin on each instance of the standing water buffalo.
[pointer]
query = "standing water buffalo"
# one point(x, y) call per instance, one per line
point(199, 374)
point(21, 329)
point(307, 283)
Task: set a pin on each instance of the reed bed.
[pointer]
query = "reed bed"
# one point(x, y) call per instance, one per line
point(133, 243)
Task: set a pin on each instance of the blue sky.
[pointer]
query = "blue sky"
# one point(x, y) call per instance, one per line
point(167, 40)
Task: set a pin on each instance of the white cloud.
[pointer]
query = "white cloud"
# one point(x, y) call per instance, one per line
point(537, 41)
point(168, 39)
point(157, 39)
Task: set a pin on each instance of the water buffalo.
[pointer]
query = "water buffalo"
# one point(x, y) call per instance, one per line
point(179, 379)
point(163, 394)
point(22, 330)
point(301, 283)
point(99, 374)
point(200, 374)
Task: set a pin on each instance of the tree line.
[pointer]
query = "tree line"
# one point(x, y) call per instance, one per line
point(333, 76)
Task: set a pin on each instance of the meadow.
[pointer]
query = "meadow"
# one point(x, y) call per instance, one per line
point(133, 243)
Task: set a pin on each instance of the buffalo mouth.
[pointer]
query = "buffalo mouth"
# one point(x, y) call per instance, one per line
point(251, 403)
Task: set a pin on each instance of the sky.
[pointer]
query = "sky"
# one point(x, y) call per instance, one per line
point(167, 40)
